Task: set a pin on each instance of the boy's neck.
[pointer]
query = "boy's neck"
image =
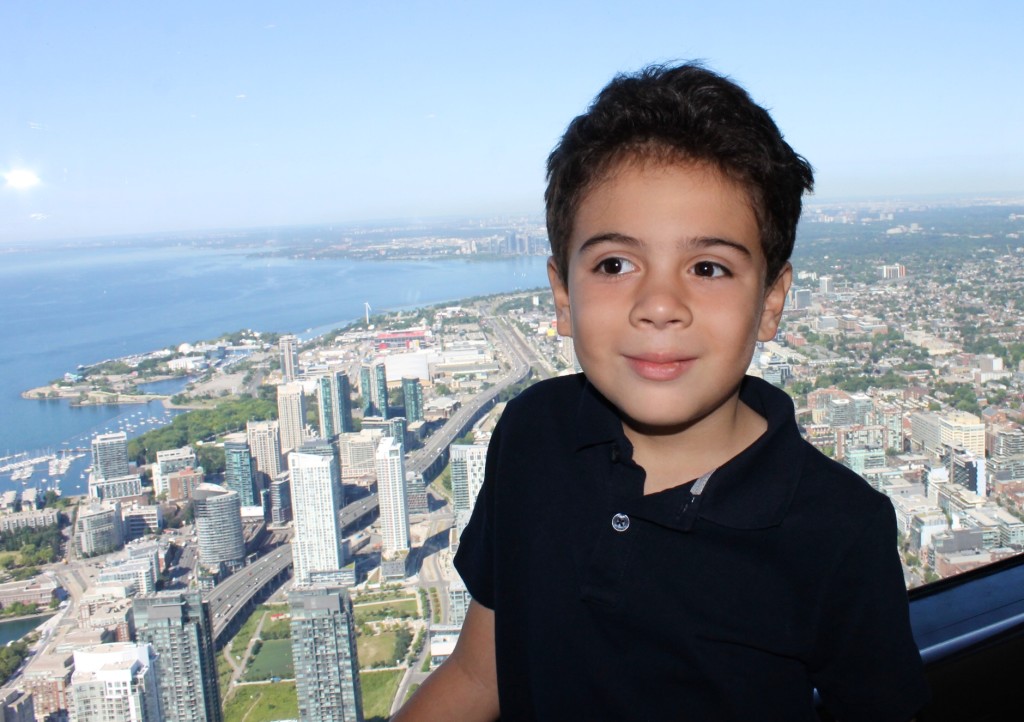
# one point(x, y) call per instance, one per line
point(673, 457)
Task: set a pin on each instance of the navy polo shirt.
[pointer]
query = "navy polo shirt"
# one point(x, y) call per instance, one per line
point(781, 577)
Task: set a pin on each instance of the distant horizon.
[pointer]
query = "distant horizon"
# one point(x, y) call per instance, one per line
point(811, 202)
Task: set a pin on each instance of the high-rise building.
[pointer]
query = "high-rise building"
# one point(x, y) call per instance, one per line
point(358, 454)
point(380, 388)
point(334, 394)
point(412, 393)
point(394, 515)
point(289, 357)
point(169, 461)
point(110, 455)
point(239, 470)
point(324, 654)
point(116, 487)
point(115, 683)
point(98, 529)
point(281, 499)
point(265, 445)
point(467, 469)
point(178, 626)
point(291, 416)
point(366, 390)
point(317, 550)
point(218, 513)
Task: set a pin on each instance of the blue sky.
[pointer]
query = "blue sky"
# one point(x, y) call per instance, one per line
point(140, 117)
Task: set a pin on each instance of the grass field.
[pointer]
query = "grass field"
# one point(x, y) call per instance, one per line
point(273, 660)
point(241, 640)
point(276, 628)
point(262, 703)
point(223, 675)
point(382, 610)
point(380, 648)
point(379, 690)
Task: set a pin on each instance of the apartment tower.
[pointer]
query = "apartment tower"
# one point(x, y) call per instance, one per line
point(324, 654)
point(178, 626)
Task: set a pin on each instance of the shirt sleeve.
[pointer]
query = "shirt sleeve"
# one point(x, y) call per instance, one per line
point(475, 559)
point(867, 665)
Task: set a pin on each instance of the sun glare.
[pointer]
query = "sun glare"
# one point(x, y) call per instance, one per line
point(21, 178)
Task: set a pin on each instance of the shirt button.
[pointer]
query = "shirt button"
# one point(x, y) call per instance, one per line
point(620, 522)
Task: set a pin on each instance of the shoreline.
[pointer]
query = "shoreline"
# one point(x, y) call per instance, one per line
point(25, 617)
point(92, 398)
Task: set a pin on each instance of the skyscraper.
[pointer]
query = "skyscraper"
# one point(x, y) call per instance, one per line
point(218, 514)
point(325, 656)
point(317, 550)
point(110, 455)
point(380, 388)
point(265, 445)
point(412, 393)
point(366, 390)
point(289, 359)
point(334, 394)
point(239, 470)
point(467, 468)
point(394, 514)
point(291, 416)
point(115, 683)
point(178, 626)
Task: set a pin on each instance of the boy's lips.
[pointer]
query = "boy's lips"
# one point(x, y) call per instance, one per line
point(659, 367)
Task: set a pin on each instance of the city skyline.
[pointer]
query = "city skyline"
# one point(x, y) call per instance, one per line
point(335, 114)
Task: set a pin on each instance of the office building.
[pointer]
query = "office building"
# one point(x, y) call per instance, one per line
point(218, 514)
point(412, 395)
point(467, 469)
point(289, 357)
point(110, 455)
point(239, 470)
point(265, 446)
point(334, 394)
point(394, 514)
point(291, 416)
point(317, 549)
point(324, 654)
point(115, 683)
point(178, 626)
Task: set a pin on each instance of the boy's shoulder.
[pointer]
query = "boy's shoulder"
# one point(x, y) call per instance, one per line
point(560, 394)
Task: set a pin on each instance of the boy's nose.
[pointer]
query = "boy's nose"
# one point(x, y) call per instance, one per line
point(660, 304)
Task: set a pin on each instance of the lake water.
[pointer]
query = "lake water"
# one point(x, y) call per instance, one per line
point(18, 628)
point(81, 304)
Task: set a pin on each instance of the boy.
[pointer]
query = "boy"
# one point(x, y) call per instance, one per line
point(654, 540)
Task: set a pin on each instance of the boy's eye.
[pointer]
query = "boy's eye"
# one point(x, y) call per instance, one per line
point(615, 266)
point(710, 269)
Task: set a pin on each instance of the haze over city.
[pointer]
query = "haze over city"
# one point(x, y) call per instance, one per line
point(127, 119)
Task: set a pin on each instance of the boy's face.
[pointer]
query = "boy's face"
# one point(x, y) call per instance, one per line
point(666, 292)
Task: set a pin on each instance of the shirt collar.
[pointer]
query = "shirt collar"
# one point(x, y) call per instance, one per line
point(750, 491)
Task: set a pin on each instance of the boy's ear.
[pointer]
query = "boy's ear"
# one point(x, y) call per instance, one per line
point(560, 291)
point(774, 302)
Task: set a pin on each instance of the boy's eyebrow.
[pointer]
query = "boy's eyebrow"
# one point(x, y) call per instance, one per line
point(698, 242)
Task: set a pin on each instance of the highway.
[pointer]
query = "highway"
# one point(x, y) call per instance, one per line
point(235, 592)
